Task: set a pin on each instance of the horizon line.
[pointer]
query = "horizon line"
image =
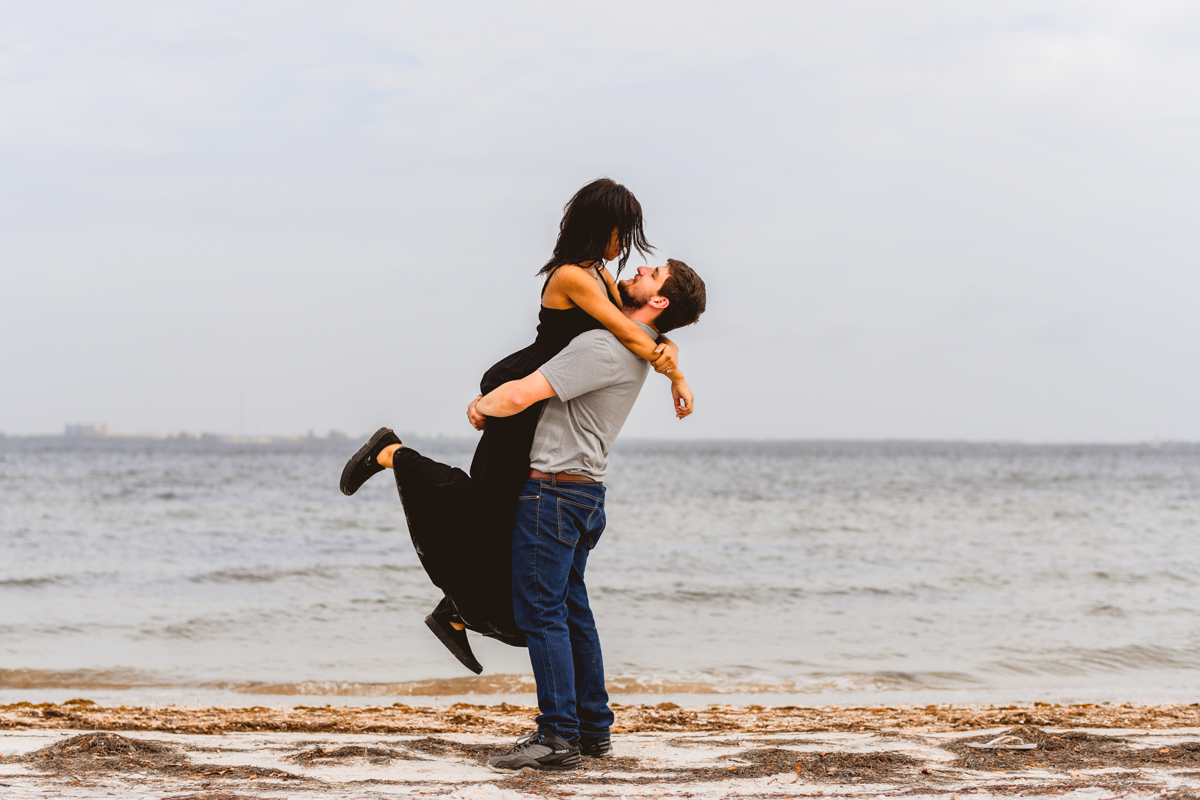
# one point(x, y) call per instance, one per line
point(338, 436)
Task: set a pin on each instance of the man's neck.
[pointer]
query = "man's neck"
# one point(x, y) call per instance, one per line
point(645, 315)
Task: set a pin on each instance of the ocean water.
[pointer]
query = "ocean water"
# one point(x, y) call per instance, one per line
point(176, 571)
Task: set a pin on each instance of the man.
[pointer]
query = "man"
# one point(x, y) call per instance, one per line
point(591, 387)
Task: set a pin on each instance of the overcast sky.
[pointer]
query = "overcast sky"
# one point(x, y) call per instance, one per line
point(920, 220)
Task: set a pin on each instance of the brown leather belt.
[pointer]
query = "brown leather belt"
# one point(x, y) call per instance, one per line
point(559, 477)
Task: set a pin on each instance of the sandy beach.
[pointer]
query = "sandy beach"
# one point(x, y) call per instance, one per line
point(80, 749)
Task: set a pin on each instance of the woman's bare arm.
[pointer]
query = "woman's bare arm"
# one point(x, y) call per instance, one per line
point(668, 352)
point(668, 359)
point(580, 289)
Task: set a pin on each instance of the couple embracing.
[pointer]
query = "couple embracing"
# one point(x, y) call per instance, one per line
point(508, 544)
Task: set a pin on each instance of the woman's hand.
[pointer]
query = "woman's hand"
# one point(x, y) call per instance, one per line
point(684, 401)
point(476, 419)
point(668, 357)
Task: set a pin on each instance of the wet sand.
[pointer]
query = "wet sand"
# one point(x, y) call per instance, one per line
point(509, 720)
point(79, 749)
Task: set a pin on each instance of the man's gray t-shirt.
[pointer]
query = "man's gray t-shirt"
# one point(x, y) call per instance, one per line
point(596, 381)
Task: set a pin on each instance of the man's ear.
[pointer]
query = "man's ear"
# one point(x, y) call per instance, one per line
point(659, 302)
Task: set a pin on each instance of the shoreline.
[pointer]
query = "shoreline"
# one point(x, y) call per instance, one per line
point(1089, 752)
point(506, 718)
point(1085, 751)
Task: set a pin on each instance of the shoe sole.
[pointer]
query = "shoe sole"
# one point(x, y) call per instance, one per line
point(453, 647)
point(532, 768)
point(363, 453)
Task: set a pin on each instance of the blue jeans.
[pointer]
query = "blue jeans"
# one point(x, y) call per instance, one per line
point(556, 526)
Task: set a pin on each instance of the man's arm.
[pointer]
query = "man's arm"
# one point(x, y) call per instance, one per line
point(515, 396)
point(583, 365)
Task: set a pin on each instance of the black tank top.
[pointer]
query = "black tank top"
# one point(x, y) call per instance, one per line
point(556, 328)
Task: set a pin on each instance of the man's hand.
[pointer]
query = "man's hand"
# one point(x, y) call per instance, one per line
point(476, 419)
point(668, 358)
point(684, 401)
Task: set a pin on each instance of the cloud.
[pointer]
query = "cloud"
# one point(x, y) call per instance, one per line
point(285, 196)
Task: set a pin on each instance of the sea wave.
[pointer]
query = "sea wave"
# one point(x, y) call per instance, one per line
point(816, 683)
point(799, 568)
point(1092, 661)
point(84, 679)
point(33, 582)
point(262, 575)
point(500, 684)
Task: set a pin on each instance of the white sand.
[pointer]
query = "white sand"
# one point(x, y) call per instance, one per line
point(647, 765)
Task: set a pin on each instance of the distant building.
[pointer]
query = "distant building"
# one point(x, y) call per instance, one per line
point(81, 431)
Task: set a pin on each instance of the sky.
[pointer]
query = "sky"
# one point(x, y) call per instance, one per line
point(919, 220)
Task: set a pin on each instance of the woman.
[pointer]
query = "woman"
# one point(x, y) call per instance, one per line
point(460, 525)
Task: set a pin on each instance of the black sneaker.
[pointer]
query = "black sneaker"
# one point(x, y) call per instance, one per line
point(455, 641)
point(595, 746)
point(539, 750)
point(362, 465)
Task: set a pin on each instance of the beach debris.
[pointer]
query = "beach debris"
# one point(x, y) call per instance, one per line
point(503, 719)
point(110, 752)
point(485, 791)
point(786, 765)
point(1006, 742)
point(104, 749)
point(375, 755)
point(438, 748)
point(1128, 762)
point(783, 777)
point(1070, 752)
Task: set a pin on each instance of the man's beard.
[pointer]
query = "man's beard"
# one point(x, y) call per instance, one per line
point(628, 301)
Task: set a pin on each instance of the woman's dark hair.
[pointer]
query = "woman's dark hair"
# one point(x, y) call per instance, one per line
point(588, 221)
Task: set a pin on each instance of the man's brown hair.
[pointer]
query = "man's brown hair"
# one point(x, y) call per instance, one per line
point(685, 290)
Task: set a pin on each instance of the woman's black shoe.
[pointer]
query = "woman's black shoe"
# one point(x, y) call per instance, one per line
point(455, 641)
point(362, 465)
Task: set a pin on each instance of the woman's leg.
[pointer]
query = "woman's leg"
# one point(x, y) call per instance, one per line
point(385, 455)
point(437, 500)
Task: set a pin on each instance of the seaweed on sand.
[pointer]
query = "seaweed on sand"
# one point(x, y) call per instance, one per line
point(433, 746)
point(106, 751)
point(759, 762)
point(111, 752)
point(1072, 750)
point(375, 755)
point(515, 720)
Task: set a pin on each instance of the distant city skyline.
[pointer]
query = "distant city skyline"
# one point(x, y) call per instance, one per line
point(102, 431)
point(924, 221)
